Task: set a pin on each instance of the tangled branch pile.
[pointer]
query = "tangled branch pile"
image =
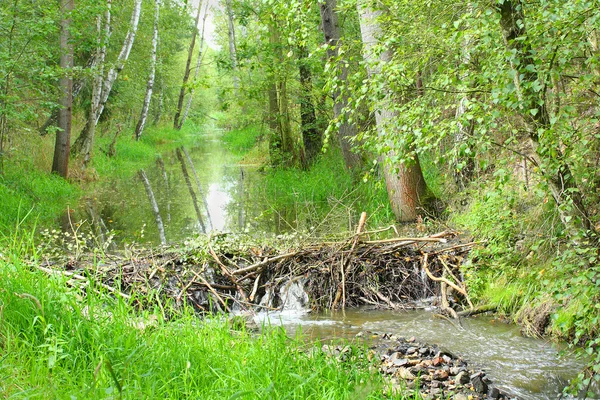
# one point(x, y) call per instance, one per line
point(389, 273)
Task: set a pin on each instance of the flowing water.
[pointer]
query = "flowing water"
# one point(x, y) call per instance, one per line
point(524, 367)
point(529, 368)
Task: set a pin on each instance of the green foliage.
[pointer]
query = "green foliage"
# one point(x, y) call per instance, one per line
point(60, 342)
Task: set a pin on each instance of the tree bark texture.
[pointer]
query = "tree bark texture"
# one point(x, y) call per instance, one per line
point(198, 185)
point(154, 205)
point(150, 85)
point(331, 32)
point(60, 163)
point(560, 179)
point(405, 183)
point(177, 124)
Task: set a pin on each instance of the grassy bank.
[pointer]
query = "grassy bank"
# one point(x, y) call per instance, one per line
point(28, 188)
point(59, 342)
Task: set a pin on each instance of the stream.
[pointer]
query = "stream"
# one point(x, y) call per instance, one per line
point(524, 367)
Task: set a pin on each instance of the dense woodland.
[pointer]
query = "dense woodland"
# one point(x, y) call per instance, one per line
point(483, 116)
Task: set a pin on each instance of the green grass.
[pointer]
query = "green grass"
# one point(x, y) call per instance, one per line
point(241, 141)
point(60, 343)
point(27, 190)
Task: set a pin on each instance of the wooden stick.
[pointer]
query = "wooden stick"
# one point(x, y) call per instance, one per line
point(255, 288)
point(186, 287)
point(214, 292)
point(227, 273)
point(477, 310)
point(81, 277)
point(440, 279)
point(265, 262)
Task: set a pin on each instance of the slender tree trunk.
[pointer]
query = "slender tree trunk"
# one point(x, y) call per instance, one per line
point(198, 185)
point(405, 184)
point(60, 164)
point(83, 144)
point(549, 156)
point(232, 47)
point(188, 182)
point(150, 85)
point(177, 124)
point(160, 105)
point(197, 70)
point(347, 131)
point(154, 204)
point(311, 137)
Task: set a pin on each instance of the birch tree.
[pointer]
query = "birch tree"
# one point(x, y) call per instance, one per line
point(103, 85)
point(232, 46)
point(150, 85)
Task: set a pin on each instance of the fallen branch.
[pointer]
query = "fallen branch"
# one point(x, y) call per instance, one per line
point(478, 310)
point(81, 277)
point(440, 279)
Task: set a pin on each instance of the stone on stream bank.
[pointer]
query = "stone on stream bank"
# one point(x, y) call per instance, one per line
point(413, 367)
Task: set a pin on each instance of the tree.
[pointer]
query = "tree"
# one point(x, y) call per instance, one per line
point(177, 122)
point(232, 46)
point(405, 183)
point(60, 164)
point(548, 155)
point(347, 130)
point(103, 85)
point(150, 85)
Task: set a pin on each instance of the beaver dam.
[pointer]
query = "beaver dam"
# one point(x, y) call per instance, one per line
point(215, 277)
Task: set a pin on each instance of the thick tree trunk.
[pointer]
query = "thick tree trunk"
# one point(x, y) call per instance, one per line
point(83, 144)
point(60, 164)
point(405, 184)
point(197, 70)
point(150, 85)
point(159, 222)
point(311, 137)
point(347, 131)
point(232, 47)
point(549, 156)
point(177, 123)
point(188, 182)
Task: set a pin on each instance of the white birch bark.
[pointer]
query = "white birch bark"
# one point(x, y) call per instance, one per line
point(111, 77)
point(154, 205)
point(150, 85)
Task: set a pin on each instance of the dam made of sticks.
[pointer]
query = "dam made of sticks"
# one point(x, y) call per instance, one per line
point(215, 274)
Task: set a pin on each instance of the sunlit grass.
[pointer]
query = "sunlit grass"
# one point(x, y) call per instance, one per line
point(59, 342)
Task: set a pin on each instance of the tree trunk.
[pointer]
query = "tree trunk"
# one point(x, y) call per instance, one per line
point(152, 199)
point(188, 182)
point(177, 124)
point(232, 47)
point(150, 85)
point(311, 137)
point(103, 86)
point(60, 164)
point(347, 131)
point(163, 172)
point(405, 184)
point(197, 70)
point(555, 169)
